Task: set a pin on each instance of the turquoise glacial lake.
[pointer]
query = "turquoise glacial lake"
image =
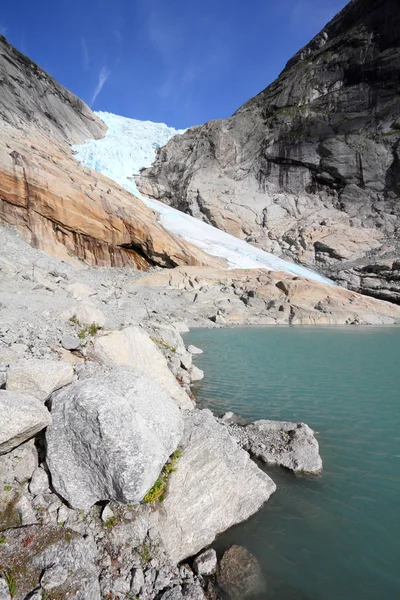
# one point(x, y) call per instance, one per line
point(335, 537)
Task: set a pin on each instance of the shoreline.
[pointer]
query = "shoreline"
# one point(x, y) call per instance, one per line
point(57, 345)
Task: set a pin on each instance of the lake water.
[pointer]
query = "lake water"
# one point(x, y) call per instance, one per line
point(335, 537)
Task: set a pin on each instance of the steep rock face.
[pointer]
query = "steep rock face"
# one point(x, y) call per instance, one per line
point(309, 168)
point(29, 94)
point(56, 204)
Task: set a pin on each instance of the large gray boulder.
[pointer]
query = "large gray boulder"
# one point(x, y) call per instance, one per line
point(133, 347)
point(21, 418)
point(216, 485)
point(110, 437)
point(290, 445)
point(39, 378)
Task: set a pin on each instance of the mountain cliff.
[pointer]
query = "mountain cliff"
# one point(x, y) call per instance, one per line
point(55, 203)
point(310, 168)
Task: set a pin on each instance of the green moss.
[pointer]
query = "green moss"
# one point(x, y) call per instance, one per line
point(74, 320)
point(144, 553)
point(157, 492)
point(3, 539)
point(82, 334)
point(7, 488)
point(9, 516)
point(10, 580)
point(111, 522)
point(161, 343)
point(93, 329)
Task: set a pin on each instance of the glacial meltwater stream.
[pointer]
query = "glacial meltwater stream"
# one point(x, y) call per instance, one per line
point(336, 537)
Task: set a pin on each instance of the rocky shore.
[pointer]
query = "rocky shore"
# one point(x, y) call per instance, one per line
point(111, 479)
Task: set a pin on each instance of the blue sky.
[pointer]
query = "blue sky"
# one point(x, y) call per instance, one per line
point(181, 62)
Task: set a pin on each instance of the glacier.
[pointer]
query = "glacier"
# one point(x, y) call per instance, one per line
point(130, 145)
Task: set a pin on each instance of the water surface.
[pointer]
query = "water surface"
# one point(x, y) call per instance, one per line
point(336, 537)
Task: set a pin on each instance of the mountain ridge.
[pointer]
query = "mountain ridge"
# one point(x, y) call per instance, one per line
point(308, 169)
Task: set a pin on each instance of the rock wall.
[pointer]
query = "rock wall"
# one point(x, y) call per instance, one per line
point(57, 205)
point(310, 168)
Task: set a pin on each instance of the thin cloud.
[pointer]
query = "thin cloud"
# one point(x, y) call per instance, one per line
point(103, 76)
point(3, 30)
point(85, 54)
point(165, 36)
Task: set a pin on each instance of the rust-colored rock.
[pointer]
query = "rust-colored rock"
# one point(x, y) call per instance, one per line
point(55, 203)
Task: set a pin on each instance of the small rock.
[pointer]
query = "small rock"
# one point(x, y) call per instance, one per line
point(80, 291)
point(64, 514)
point(196, 374)
point(53, 577)
point(173, 594)
point(181, 327)
point(39, 483)
point(194, 350)
point(22, 418)
point(186, 360)
point(26, 512)
point(231, 419)
point(106, 514)
point(70, 342)
point(39, 378)
point(26, 465)
point(4, 591)
point(193, 591)
point(239, 574)
point(86, 314)
point(206, 563)
point(137, 582)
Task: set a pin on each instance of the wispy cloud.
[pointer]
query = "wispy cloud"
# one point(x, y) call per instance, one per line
point(118, 38)
point(3, 30)
point(85, 54)
point(103, 76)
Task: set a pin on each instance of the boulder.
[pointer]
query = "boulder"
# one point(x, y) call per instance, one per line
point(70, 342)
point(85, 314)
point(194, 350)
point(240, 575)
point(216, 484)
point(196, 374)
point(289, 445)
point(80, 291)
point(38, 378)
point(39, 483)
point(22, 417)
point(110, 437)
point(206, 562)
point(133, 347)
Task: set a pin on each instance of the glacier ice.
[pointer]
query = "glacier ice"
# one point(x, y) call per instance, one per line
point(130, 145)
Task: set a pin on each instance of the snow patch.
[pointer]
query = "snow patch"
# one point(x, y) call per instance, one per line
point(129, 146)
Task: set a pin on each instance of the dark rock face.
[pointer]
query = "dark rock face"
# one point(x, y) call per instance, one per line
point(29, 94)
point(309, 168)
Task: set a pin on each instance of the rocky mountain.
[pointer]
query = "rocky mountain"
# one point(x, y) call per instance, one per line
point(310, 168)
point(56, 204)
